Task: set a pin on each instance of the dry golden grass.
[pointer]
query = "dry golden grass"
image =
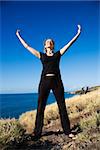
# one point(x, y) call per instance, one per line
point(28, 119)
point(85, 103)
point(77, 106)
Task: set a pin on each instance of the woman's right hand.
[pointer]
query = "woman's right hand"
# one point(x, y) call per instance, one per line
point(17, 32)
point(79, 29)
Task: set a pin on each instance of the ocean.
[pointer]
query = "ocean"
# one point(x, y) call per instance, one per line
point(13, 105)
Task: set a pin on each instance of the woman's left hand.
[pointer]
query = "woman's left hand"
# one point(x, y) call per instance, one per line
point(79, 28)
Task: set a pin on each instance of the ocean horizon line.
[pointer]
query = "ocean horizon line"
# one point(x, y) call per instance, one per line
point(28, 93)
point(66, 91)
point(18, 93)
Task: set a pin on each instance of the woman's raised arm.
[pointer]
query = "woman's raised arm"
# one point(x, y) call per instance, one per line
point(32, 50)
point(65, 48)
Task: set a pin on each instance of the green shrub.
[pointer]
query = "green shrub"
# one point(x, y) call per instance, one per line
point(92, 121)
point(10, 130)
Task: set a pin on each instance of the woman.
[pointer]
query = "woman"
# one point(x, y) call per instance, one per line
point(50, 79)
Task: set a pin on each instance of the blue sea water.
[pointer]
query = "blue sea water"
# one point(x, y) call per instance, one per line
point(13, 105)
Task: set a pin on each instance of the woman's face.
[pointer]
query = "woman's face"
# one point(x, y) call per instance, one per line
point(49, 44)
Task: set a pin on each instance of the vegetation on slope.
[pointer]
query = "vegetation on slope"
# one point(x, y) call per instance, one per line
point(84, 114)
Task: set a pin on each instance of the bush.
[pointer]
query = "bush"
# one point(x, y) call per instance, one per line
point(91, 121)
point(10, 131)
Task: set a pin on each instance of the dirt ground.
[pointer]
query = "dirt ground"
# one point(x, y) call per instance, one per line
point(53, 138)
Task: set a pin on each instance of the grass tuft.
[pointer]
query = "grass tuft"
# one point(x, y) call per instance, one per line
point(10, 130)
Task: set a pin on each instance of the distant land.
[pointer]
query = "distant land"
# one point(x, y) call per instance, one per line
point(80, 91)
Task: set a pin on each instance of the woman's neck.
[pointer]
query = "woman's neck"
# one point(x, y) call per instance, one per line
point(49, 53)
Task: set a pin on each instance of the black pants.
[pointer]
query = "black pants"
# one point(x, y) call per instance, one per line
point(54, 83)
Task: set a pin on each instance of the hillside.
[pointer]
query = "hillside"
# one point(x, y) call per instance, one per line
point(87, 89)
point(84, 113)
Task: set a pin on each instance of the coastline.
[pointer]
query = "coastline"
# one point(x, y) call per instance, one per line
point(84, 114)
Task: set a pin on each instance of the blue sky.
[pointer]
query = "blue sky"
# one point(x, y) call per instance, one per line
point(20, 70)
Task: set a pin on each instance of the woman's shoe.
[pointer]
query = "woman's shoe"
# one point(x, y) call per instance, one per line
point(72, 136)
point(35, 137)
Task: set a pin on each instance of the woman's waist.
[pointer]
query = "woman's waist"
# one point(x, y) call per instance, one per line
point(50, 74)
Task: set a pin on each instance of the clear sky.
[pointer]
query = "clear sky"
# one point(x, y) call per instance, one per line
point(20, 70)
